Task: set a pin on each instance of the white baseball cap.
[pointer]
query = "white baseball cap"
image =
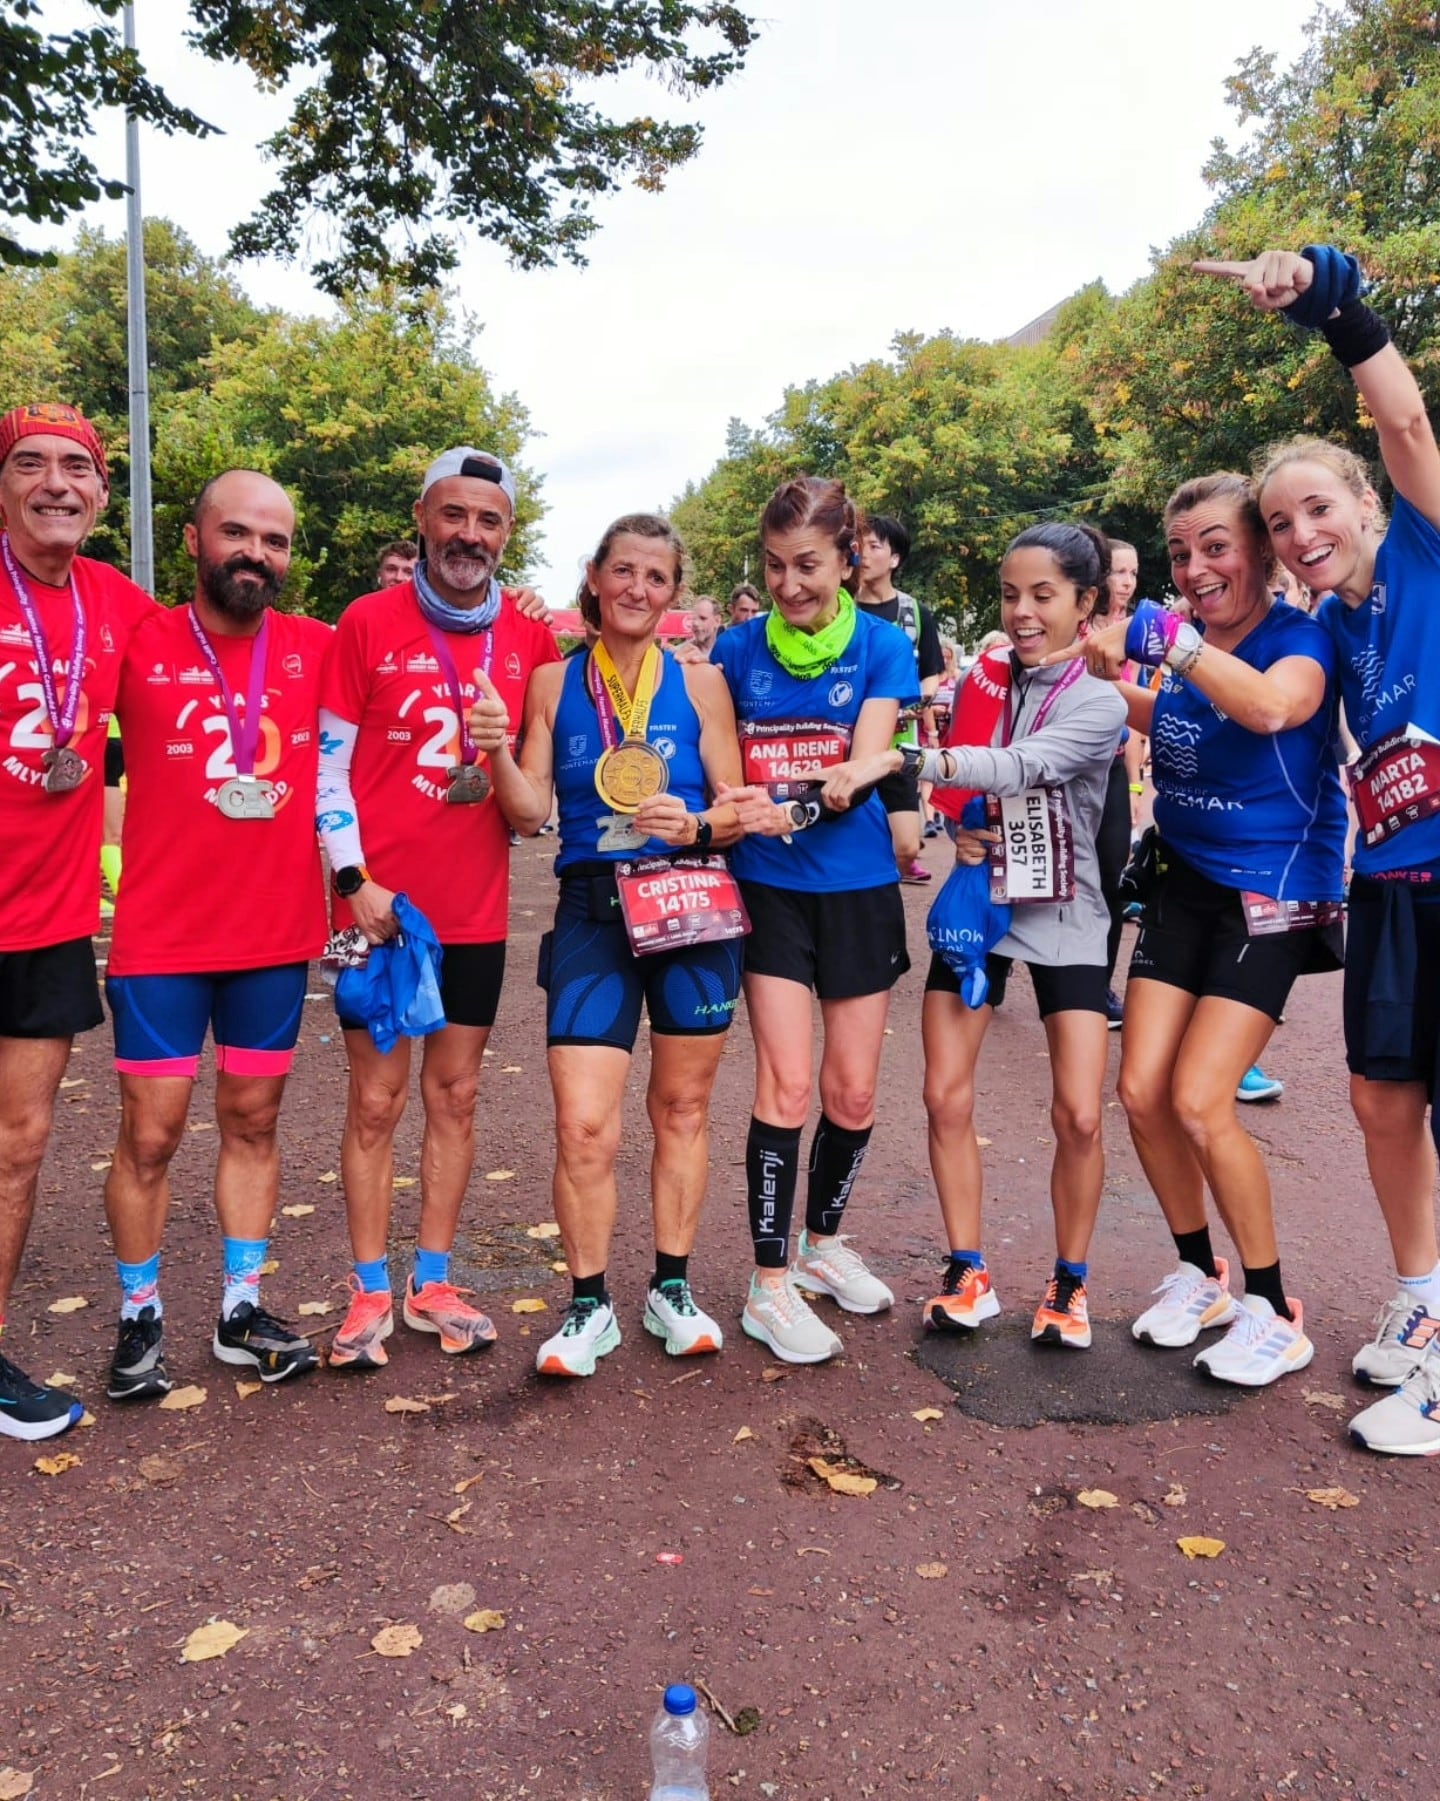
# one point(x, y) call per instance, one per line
point(464, 460)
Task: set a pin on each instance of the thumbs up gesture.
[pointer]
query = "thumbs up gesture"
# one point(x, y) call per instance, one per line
point(489, 720)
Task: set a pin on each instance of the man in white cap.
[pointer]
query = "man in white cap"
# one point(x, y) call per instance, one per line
point(405, 806)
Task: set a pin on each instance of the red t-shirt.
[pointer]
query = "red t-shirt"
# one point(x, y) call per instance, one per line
point(200, 891)
point(383, 676)
point(51, 888)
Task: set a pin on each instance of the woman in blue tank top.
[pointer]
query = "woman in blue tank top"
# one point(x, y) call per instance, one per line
point(632, 746)
point(1382, 613)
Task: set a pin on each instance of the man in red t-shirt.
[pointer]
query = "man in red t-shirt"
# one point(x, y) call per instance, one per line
point(64, 624)
point(222, 906)
point(405, 806)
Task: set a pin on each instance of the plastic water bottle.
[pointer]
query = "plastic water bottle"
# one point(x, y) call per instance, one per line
point(679, 1739)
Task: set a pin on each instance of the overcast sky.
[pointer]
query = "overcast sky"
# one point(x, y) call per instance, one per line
point(924, 165)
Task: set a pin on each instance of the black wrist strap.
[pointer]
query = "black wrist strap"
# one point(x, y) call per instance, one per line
point(1355, 334)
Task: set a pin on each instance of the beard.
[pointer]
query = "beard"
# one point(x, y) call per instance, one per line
point(463, 566)
point(222, 586)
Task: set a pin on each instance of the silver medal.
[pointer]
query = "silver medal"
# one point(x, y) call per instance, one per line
point(468, 784)
point(620, 833)
point(242, 797)
point(64, 769)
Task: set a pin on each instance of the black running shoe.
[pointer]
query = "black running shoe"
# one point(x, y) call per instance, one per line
point(253, 1337)
point(29, 1411)
point(1114, 1010)
point(137, 1370)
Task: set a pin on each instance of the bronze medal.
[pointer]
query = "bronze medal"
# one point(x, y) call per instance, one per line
point(242, 797)
point(629, 774)
point(468, 784)
point(64, 769)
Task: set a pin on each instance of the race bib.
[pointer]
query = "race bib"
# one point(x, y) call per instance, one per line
point(1395, 783)
point(1034, 859)
point(781, 754)
point(1265, 916)
point(669, 903)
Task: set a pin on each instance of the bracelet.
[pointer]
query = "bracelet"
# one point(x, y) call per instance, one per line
point(1137, 787)
point(1186, 661)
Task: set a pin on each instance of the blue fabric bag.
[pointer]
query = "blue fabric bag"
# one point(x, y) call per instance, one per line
point(964, 923)
point(396, 991)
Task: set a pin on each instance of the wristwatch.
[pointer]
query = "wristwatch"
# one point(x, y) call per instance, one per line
point(350, 880)
point(802, 813)
point(1184, 652)
point(912, 759)
point(704, 832)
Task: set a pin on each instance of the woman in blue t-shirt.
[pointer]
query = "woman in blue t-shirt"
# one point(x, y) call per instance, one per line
point(1245, 897)
point(1382, 613)
point(815, 682)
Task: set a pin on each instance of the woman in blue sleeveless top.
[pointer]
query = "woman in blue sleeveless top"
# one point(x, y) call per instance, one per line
point(632, 746)
point(1382, 613)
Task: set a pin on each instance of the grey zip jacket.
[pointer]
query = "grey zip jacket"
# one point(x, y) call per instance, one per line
point(1073, 750)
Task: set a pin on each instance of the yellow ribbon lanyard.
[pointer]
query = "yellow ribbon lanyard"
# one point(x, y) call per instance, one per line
point(632, 712)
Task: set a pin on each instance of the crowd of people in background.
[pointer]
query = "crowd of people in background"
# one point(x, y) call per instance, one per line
point(736, 816)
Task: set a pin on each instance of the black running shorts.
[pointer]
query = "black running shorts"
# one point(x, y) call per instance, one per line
point(841, 945)
point(1388, 959)
point(49, 993)
point(471, 976)
point(1066, 988)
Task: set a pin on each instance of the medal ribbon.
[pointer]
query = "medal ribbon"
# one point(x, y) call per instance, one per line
point(469, 751)
point(62, 716)
point(244, 733)
point(613, 704)
point(1072, 674)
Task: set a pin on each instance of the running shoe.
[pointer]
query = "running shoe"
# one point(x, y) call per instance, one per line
point(1114, 1010)
point(1190, 1302)
point(1404, 1332)
point(1406, 1422)
point(137, 1370)
point(253, 1337)
point(831, 1268)
point(1260, 1346)
point(1063, 1317)
point(671, 1314)
point(1133, 912)
point(778, 1315)
point(29, 1411)
point(437, 1307)
point(590, 1332)
point(917, 873)
point(360, 1342)
point(965, 1300)
point(933, 829)
point(1255, 1085)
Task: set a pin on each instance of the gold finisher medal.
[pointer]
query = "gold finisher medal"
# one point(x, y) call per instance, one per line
point(630, 773)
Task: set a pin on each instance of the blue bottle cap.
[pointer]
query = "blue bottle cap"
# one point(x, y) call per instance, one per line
point(680, 1698)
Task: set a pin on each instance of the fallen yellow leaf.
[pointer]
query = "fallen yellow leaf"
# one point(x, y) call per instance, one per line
point(1332, 1498)
point(500, 1175)
point(314, 1309)
point(270, 1266)
point(932, 1572)
point(329, 1176)
point(72, 1303)
point(1319, 1397)
point(511, 1069)
point(927, 1413)
point(86, 1419)
point(1175, 1495)
point(467, 1482)
point(15, 1784)
point(301, 1210)
point(561, 1268)
point(842, 1481)
point(180, 1399)
point(402, 1404)
point(100, 1168)
point(405, 1181)
point(58, 1464)
point(1096, 1497)
point(71, 1081)
point(397, 1641)
point(1201, 1547)
point(486, 1619)
point(212, 1640)
point(61, 1379)
point(546, 1229)
point(531, 1304)
point(202, 1125)
point(742, 1435)
point(984, 1143)
point(244, 1389)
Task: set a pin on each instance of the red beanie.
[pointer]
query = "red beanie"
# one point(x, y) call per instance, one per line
point(55, 420)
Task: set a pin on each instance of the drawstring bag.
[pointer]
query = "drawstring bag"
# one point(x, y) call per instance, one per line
point(964, 923)
point(396, 991)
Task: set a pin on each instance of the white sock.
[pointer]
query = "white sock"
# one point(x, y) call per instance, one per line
point(1424, 1290)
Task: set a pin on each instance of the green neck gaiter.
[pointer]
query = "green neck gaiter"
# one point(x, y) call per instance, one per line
point(808, 654)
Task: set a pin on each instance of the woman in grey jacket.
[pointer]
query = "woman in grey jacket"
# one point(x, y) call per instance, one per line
point(1045, 771)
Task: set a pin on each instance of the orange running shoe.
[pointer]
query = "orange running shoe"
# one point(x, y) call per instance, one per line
point(1063, 1317)
point(437, 1307)
point(966, 1299)
point(360, 1342)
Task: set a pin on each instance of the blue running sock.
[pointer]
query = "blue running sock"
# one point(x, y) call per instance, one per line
point(975, 1259)
point(243, 1257)
point(374, 1277)
point(431, 1266)
point(1078, 1271)
point(140, 1287)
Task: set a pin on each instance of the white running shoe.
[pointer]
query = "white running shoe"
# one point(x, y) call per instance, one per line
point(1405, 1423)
point(1189, 1303)
point(590, 1331)
point(1260, 1346)
point(834, 1269)
point(671, 1314)
point(1404, 1331)
point(779, 1316)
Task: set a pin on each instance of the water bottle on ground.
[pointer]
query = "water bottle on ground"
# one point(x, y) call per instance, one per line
point(679, 1739)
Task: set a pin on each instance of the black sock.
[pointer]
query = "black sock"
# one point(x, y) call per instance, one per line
point(772, 1168)
point(588, 1288)
point(1267, 1282)
point(835, 1158)
point(669, 1269)
point(1194, 1247)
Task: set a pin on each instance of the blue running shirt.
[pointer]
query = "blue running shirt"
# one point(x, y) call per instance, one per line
point(1249, 811)
point(877, 664)
point(1383, 650)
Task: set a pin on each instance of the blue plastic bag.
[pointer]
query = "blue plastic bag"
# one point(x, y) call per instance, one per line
point(396, 992)
point(964, 923)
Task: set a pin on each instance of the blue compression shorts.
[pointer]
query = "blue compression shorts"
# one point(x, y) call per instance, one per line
point(161, 1021)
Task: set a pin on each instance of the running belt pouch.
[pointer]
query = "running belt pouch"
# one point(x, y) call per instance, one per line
point(1390, 998)
point(1145, 868)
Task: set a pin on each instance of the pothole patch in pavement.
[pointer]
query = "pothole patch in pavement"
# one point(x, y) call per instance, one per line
point(1001, 1377)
